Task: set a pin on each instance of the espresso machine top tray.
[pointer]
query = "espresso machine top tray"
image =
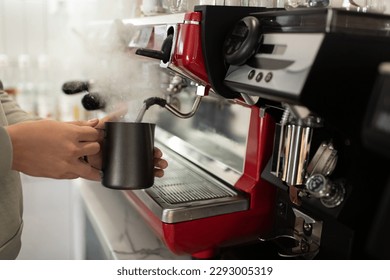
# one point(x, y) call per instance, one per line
point(324, 20)
point(323, 59)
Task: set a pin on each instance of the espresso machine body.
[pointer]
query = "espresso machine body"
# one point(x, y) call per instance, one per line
point(207, 201)
point(314, 71)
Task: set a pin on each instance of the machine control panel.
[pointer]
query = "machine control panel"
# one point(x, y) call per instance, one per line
point(292, 49)
point(278, 68)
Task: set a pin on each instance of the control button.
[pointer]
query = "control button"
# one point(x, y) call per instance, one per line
point(259, 77)
point(251, 74)
point(268, 77)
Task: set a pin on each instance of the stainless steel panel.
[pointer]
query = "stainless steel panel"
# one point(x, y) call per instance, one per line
point(214, 138)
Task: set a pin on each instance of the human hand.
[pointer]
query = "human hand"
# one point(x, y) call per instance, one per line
point(53, 149)
point(159, 163)
point(96, 160)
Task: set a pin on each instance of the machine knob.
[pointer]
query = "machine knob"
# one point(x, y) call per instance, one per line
point(92, 101)
point(331, 194)
point(243, 41)
point(163, 55)
point(318, 186)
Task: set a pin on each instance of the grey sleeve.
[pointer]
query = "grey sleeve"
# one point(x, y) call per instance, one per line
point(10, 113)
point(13, 112)
point(5, 152)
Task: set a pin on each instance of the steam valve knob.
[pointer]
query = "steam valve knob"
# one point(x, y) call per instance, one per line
point(163, 55)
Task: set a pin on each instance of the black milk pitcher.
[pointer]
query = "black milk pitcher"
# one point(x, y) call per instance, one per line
point(128, 155)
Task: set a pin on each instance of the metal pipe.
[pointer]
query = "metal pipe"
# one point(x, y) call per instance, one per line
point(179, 114)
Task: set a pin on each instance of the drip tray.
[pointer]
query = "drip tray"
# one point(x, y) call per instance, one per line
point(187, 193)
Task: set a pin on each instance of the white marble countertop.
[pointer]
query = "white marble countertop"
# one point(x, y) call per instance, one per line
point(122, 232)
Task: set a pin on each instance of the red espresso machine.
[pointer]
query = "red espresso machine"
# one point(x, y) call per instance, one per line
point(319, 67)
point(198, 207)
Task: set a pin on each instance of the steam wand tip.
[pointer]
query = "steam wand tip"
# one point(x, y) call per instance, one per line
point(150, 102)
point(154, 100)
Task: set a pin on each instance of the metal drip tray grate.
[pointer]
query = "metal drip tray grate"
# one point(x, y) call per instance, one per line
point(187, 193)
point(187, 187)
point(180, 193)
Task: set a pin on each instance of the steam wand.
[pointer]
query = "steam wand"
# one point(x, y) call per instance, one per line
point(163, 103)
